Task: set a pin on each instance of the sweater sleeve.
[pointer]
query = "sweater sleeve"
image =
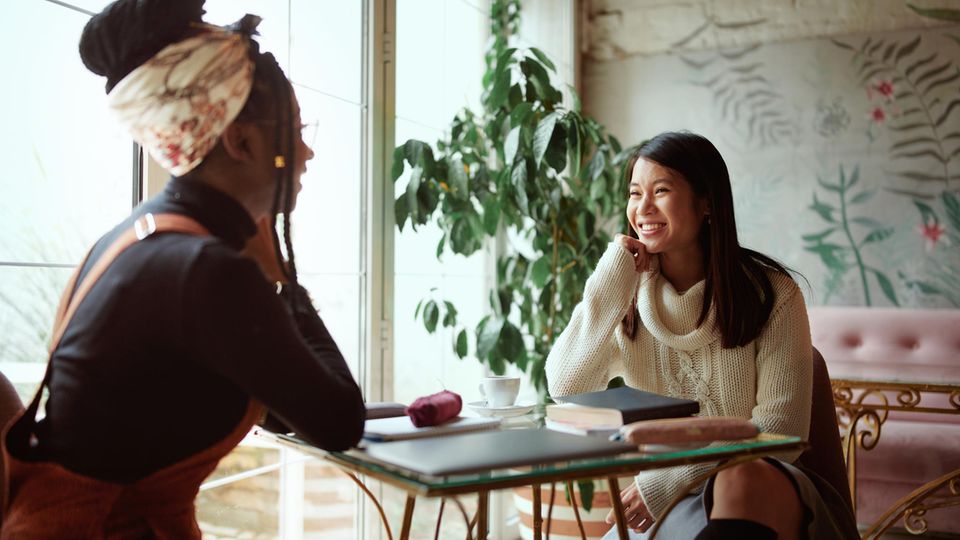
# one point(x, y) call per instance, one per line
point(243, 331)
point(784, 386)
point(580, 358)
point(785, 371)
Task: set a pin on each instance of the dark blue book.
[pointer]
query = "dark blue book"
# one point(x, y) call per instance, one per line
point(619, 406)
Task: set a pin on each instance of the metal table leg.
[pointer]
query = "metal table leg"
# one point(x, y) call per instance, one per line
point(614, 488)
point(407, 517)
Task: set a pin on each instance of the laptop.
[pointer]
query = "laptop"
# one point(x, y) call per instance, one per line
point(485, 450)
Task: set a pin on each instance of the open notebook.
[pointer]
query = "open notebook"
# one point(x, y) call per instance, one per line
point(401, 427)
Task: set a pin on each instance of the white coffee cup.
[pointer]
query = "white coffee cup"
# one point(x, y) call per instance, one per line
point(500, 391)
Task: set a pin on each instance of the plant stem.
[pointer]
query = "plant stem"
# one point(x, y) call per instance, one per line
point(853, 245)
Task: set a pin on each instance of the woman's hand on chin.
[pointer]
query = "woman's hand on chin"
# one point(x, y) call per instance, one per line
point(641, 259)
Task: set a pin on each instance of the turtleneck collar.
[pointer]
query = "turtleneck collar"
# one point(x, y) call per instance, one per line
point(222, 215)
point(671, 317)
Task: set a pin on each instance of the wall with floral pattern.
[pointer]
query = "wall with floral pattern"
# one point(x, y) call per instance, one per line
point(844, 152)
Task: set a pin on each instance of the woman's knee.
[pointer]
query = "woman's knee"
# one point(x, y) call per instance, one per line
point(751, 481)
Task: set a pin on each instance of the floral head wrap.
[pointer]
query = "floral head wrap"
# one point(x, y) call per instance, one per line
point(178, 103)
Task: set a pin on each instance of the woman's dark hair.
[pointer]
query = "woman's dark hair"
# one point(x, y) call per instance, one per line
point(127, 33)
point(737, 284)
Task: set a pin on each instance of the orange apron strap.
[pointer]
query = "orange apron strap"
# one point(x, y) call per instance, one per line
point(20, 435)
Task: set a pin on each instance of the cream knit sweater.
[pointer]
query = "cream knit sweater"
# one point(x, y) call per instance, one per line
point(768, 381)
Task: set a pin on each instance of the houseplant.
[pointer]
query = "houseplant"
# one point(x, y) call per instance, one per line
point(528, 169)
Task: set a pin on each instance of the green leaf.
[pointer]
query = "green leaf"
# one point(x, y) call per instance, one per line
point(511, 343)
point(886, 286)
point(504, 58)
point(401, 210)
point(540, 271)
point(398, 155)
point(820, 236)
point(510, 146)
point(854, 177)
point(462, 237)
point(867, 222)
point(518, 177)
point(927, 214)
point(825, 210)
point(543, 59)
point(556, 156)
point(577, 103)
point(586, 493)
point(430, 316)
point(450, 315)
point(419, 154)
point(597, 163)
point(907, 49)
point(500, 89)
point(831, 255)
point(542, 135)
point(491, 213)
point(488, 334)
point(877, 236)
point(597, 190)
point(440, 245)
point(460, 345)
point(832, 187)
point(863, 196)
point(413, 186)
point(520, 114)
point(922, 286)
point(416, 312)
point(951, 203)
point(457, 175)
point(573, 145)
point(943, 14)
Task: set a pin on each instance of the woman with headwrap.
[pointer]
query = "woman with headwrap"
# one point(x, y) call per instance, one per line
point(184, 326)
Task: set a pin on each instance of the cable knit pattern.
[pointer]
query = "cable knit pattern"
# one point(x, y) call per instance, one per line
point(768, 381)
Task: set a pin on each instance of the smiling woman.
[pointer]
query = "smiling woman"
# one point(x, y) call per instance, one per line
point(678, 307)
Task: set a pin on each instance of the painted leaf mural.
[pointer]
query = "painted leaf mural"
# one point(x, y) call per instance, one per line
point(942, 279)
point(915, 95)
point(843, 153)
point(743, 94)
point(838, 245)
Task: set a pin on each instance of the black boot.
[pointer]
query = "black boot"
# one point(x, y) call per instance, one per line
point(736, 529)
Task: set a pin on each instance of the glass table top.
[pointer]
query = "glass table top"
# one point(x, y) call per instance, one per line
point(622, 464)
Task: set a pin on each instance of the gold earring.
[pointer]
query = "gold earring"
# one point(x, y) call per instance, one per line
point(279, 162)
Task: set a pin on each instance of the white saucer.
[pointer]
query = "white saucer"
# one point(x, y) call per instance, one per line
point(480, 407)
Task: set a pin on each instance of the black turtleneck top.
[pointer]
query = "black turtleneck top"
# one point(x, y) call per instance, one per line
point(161, 357)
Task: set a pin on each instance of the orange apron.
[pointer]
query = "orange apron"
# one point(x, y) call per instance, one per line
point(45, 500)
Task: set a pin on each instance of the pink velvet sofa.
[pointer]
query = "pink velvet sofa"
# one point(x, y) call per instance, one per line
point(913, 448)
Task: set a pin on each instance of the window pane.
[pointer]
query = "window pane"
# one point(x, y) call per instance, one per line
point(337, 298)
point(327, 220)
point(246, 508)
point(326, 46)
point(28, 302)
point(440, 66)
point(68, 174)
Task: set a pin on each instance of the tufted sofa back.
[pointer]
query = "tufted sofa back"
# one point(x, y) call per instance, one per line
point(891, 344)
